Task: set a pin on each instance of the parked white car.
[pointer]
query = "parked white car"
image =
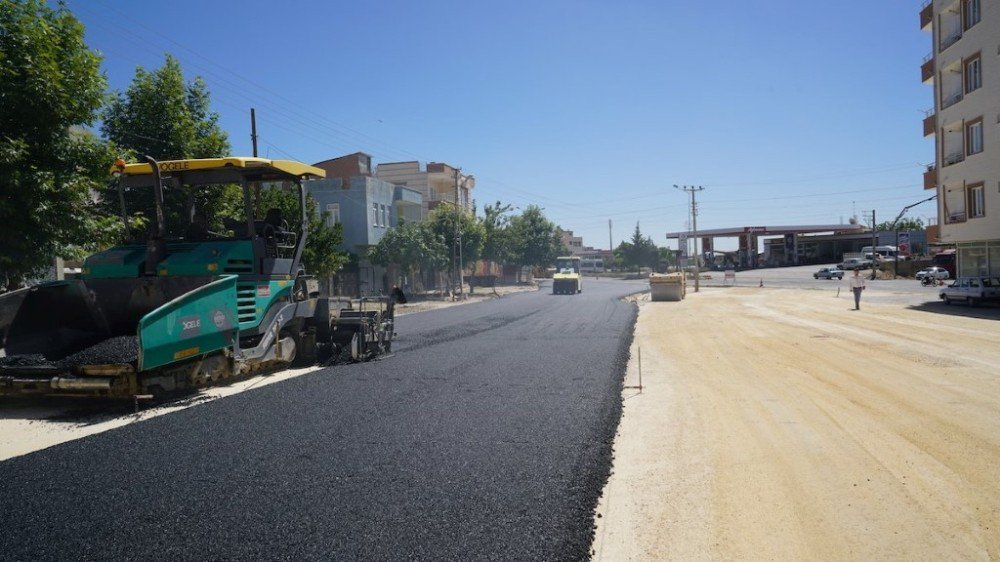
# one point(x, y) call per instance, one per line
point(971, 290)
point(934, 272)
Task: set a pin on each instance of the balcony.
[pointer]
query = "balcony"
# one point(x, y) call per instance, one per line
point(930, 177)
point(926, 15)
point(950, 40)
point(927, 69)
point(955, 217)
point(953, 158)
point(930, 122)
point(442, 197)
point(951, 100)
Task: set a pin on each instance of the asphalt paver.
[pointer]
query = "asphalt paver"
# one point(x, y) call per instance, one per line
point(485, 436)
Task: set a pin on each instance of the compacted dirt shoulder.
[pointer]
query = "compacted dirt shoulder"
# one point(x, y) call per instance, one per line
point(782, 424)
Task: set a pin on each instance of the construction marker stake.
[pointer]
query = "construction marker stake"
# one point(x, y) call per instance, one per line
point(640, 372)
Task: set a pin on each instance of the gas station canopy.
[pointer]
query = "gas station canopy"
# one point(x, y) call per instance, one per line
point(767, 230)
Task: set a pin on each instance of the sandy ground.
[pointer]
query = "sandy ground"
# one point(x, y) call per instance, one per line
point(28, 425)
point(783, 425)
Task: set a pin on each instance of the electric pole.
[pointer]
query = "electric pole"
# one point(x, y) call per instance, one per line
point(611, 247)
point(458, 240)
point(253, 131)
point(874, 245)
point(694, 228)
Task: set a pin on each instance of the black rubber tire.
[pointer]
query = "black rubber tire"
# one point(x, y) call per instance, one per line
point(946, 299)
point(973, 301)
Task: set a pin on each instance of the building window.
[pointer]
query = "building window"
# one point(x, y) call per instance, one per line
point(977, 201)
point(972, 13)
point(973, 73)
point(974, 136)
point(374, 214)
point(385, 216)
point(332, 214)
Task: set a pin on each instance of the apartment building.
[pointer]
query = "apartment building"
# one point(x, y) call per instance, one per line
point(964, 69)
point(574, 243)
point(437, 182)
point(366, 208)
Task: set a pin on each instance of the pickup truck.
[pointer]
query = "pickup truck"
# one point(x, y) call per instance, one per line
point(855, 263)
point(829, 273)
point(972, 290)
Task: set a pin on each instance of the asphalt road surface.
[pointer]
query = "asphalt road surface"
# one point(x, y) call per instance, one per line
point(486, 436)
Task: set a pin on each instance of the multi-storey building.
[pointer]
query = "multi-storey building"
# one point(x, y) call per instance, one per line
point(964, 69)
point(573, 243)
point(438, 183)
point(366, 208)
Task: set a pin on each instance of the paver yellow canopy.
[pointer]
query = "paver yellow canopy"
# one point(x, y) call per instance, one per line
point(181, 306)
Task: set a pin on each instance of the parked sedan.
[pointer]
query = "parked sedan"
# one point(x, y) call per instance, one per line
point(829, 273)
point(972, 290)
point(934, 272)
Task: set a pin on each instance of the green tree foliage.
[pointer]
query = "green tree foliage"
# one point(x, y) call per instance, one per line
point(638, 252)
point(498, 241)
point(163, 116)
point(321, 255)
point(50, 84)
point(412, 246)
point(905, 224)
point(442, 223)
point(536, 241)
point(666, 259)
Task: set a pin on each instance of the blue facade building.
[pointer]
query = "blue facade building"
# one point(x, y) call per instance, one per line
point(367, 208)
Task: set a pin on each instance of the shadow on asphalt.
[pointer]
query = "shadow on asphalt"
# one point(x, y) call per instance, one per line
point(986, 312)
point(85, 410)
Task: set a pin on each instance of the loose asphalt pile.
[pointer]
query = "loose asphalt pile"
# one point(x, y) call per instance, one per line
point(121, 349)
point(117, 350)
point(486, 436)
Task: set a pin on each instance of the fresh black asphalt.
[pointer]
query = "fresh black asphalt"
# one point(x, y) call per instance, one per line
point(486, 436)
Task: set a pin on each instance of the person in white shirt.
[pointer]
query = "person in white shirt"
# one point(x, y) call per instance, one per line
point(857, 285)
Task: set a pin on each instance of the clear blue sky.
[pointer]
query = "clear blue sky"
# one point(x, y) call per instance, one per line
point(787, 112)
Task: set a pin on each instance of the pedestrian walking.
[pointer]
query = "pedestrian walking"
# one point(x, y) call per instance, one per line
point(857, 285)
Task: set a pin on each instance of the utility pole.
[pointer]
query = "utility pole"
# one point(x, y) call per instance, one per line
point(253, 130)
point(874, 245)
point(458, 240)
point(611, 247)
point(694, 227)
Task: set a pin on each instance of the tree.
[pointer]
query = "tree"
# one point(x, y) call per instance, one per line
point(442, 223)
point(904, 224)
point(536, 241)
point(639, 252)
point(412, 246)
point(666, 258)
point(497, 239)
point(162, 116)
point(50, 85)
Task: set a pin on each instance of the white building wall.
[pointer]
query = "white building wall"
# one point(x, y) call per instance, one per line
point(983, 38)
